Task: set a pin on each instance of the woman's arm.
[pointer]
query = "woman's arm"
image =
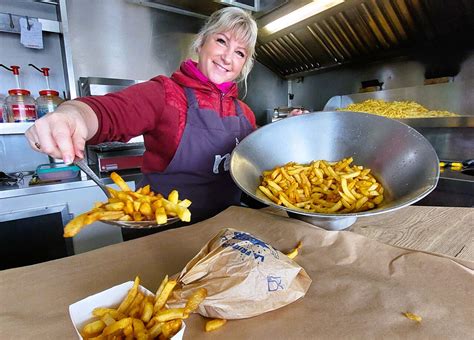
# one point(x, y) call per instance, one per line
point(117, 116)
point(64, 132)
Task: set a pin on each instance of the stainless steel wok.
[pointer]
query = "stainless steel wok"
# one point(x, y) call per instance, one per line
point(401, 158)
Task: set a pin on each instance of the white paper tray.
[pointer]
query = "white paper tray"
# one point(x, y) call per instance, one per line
point(81, 311)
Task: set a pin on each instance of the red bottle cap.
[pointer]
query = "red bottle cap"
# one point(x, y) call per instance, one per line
point(18, 92)
point(48, 93)
point(15, 69)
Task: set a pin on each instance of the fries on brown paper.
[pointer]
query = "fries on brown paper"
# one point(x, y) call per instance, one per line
point(128, 205)
point(323, 187)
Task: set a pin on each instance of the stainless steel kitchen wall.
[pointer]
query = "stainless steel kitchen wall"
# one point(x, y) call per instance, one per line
point(314, 91)
point(117, 39)
point(265, 91)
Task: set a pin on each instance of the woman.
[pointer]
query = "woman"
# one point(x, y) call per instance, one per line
point(190, 122)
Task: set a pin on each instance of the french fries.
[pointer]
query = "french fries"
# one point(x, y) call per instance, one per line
point(396, 109)
point(294, 252)
point(323, 187)
point(136, 318)
point(214, 324)
point(128, 205)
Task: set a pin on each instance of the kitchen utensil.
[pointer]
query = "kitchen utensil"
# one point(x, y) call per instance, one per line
point(400, 157)
point(466, 167)
point(82, 164)
point(468, 163)
point(56, 171)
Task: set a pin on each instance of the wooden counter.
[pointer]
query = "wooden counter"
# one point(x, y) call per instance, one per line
point(447, 231)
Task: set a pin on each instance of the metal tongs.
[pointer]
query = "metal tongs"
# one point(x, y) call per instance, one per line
point(82, 164)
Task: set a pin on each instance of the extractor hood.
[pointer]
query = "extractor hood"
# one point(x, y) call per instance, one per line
point(354, 31)
point(362, 31)
point(204, 8)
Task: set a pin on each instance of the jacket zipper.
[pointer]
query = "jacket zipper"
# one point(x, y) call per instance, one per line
point(222, 95)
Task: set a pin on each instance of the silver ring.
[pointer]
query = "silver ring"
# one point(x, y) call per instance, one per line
point(38, 146)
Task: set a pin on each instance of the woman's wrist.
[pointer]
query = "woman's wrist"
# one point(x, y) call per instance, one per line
point(82, 114)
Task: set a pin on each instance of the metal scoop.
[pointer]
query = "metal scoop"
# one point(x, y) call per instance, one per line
point(82, 164)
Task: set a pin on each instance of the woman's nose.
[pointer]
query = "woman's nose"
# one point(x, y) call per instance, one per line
point(227, 56)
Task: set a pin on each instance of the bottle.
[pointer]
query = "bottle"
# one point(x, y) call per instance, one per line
point(20, 106)
point(47, 102)
point(2, 103)
point(49, 99)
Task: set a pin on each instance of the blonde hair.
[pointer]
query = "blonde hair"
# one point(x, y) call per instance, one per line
point(240, 23)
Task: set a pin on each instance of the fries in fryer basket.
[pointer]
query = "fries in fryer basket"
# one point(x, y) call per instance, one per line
point(323, 187)
point(136, 318)
point(396, 109)
point(128, 205)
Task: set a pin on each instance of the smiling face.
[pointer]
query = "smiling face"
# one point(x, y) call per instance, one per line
point(222, 57)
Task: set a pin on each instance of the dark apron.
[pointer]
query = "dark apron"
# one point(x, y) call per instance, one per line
point(199, 169)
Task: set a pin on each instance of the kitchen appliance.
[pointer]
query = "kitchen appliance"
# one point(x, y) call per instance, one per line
point(115, 156)
point(451, 137)
point(112, 156)
point(56, 172)
point(399, 157)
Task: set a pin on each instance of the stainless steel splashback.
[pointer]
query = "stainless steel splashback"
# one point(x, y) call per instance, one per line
point(95, 86)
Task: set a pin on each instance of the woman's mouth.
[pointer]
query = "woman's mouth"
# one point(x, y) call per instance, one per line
point(221, 67)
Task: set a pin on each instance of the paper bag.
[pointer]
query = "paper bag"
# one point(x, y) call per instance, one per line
point(243, 275)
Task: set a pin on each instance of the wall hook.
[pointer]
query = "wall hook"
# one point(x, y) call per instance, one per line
point(28, 26)
point(12, 25)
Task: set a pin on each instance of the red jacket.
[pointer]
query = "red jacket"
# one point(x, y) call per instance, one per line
point(157, 109)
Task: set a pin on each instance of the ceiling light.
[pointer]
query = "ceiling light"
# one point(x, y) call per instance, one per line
point(300, 14)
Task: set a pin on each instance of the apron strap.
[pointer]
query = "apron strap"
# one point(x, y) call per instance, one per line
point(238, 108)
point(191, 98)
point(193, 103)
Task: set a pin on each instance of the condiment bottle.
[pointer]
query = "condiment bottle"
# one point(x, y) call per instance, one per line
point(48, 99)
point(47, 102)
point(2, 102)
point(20, 106)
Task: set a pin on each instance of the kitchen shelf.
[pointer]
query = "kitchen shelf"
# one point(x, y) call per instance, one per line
point(14, 128)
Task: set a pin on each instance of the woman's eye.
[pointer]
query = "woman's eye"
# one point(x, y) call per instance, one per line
point(240, 54)
point(220, 41)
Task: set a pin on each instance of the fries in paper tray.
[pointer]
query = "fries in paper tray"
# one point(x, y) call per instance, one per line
point(128, 310)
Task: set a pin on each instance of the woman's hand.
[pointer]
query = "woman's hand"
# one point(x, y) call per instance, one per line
point(64, 132)
point(297, 112)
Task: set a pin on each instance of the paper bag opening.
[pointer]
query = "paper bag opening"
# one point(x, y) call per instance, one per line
point(243, 275)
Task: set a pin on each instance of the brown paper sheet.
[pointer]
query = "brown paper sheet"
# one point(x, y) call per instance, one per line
point(359, 290)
